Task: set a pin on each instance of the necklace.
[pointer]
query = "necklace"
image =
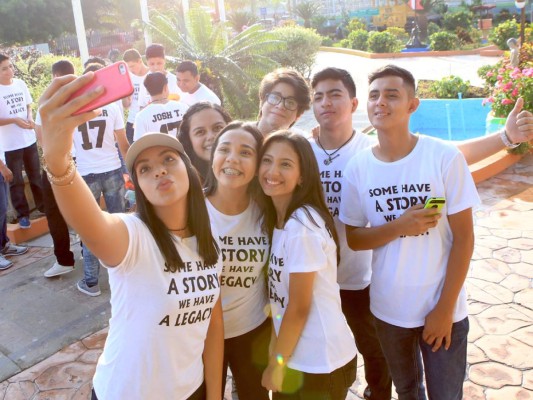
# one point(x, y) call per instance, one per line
point(164, 100)
point(332, 156)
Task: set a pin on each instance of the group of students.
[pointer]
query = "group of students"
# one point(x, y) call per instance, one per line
point(256, 248)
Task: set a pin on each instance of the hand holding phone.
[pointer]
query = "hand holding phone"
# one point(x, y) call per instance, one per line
point(435, 203)
point(116, 81)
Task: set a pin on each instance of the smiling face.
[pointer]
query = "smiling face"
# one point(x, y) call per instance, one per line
point(235, 159)
point(204, 127)
point(332, 104)
point(7, 72)
point(279, 173)
point(187, 82)
point(277, 116)
point(162, 176)
point(390, 103)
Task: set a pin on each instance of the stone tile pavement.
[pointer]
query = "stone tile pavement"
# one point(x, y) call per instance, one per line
point(500, 355)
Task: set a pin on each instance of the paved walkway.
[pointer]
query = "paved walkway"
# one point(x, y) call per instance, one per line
point(500, 352)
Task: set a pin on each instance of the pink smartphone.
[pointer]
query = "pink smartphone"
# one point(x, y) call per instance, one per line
point(116, 81)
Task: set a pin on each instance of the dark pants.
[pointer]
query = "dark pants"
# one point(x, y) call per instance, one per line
point(28, 158)
point(410, 358)
point(57, 226)
point(299, 385)
point(3, 213)
point(356, 309)
point(129, 132)
point(200, 394)
point(247, 356)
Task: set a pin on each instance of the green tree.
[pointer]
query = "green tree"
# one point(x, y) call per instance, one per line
point(238, 19)
point(429, 6)
point(232, 66)
point(34, 21)
point(307, 10)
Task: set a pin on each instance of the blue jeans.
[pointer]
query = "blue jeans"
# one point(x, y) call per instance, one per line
point(3, 212)
point(111, 186)
point(28, 158)
point(299, 385)
point(409, 356)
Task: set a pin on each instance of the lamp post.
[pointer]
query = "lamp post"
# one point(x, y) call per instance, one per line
point(521, 5)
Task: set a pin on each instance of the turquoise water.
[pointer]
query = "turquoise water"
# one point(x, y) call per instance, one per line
point(457, 119)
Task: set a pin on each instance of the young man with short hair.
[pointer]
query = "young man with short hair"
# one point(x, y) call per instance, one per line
point(420, 260)
point(156, 61)
point(138, 71)
point(161, 115)
point(17, 139)
point(193, 91)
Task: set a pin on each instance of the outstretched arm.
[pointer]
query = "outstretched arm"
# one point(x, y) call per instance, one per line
point(105, 234)
point(518, 129)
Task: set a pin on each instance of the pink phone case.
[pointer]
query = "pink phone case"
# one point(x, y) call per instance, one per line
point(116, 81)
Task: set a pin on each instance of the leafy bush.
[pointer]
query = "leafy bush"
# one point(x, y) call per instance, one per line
point(457, 19)
point(383, 42)
point(301, 48)
point(504, 31)
point(326, 41)
point(503, 15)
point(463, 35)
point(356, 23)
point(449, 87)
point(398, 33)
point(433, 28)
point(443, 41)
point(357, 40)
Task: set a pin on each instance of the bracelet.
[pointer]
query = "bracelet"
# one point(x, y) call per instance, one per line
point(60, 180)
point(506, 141)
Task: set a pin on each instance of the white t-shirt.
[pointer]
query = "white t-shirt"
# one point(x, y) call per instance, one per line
point(244, 249)
point(203, 93)
point(408, 272)
point(326, 342)
point(355, 267)
point(137, 82)
point(174, 92)
point(157, 117)
point(14, 101)
point(159, 321)
point(94, 142)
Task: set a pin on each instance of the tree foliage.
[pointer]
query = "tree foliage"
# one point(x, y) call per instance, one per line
point(232, 66)
point(307, 10)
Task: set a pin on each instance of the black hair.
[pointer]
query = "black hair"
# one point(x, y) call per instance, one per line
point(197, 222)
point(290, 77)
point(211, 182)
point(307, 194)
point(336, 74)
point(92, 67)
point(201, 165)
point(155, 83)
point(187, 65)
point(94, 60)
point(394, 70)
point(62, 68)
point(131, 55)
point(3, 57)
point(155, 50)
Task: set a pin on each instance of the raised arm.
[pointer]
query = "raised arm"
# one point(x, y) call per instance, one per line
point(105, 234)
point(518, 129)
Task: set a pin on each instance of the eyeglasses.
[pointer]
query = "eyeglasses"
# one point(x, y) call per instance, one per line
point(289, 103)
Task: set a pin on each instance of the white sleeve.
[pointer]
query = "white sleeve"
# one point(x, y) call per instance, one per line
point(305, 246)
point(461, 192)
point(351, 210)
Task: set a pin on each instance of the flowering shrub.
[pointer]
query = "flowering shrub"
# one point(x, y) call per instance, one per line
point(507, 84)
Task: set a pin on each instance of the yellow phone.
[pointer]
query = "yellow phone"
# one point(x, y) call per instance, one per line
point(435, 202)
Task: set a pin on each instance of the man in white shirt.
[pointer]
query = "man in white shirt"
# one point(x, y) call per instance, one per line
point(138, 71)
point(156, 61)
point(189, 83)
point(161, 115)
point(17, 138)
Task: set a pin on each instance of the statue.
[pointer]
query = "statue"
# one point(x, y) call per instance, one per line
point(414, 40)
point(515, 52)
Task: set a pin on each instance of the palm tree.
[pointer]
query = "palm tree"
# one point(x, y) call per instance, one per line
point(231, 66)
point(307, 10)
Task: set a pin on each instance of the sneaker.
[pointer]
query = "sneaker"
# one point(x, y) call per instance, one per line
point(5, 263)
point(37, 214)
point(24, 222)
point(58, 269)
point(13, 250)
point(91, 291)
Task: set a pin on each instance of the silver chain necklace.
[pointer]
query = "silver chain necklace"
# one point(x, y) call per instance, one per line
point(334, 155)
